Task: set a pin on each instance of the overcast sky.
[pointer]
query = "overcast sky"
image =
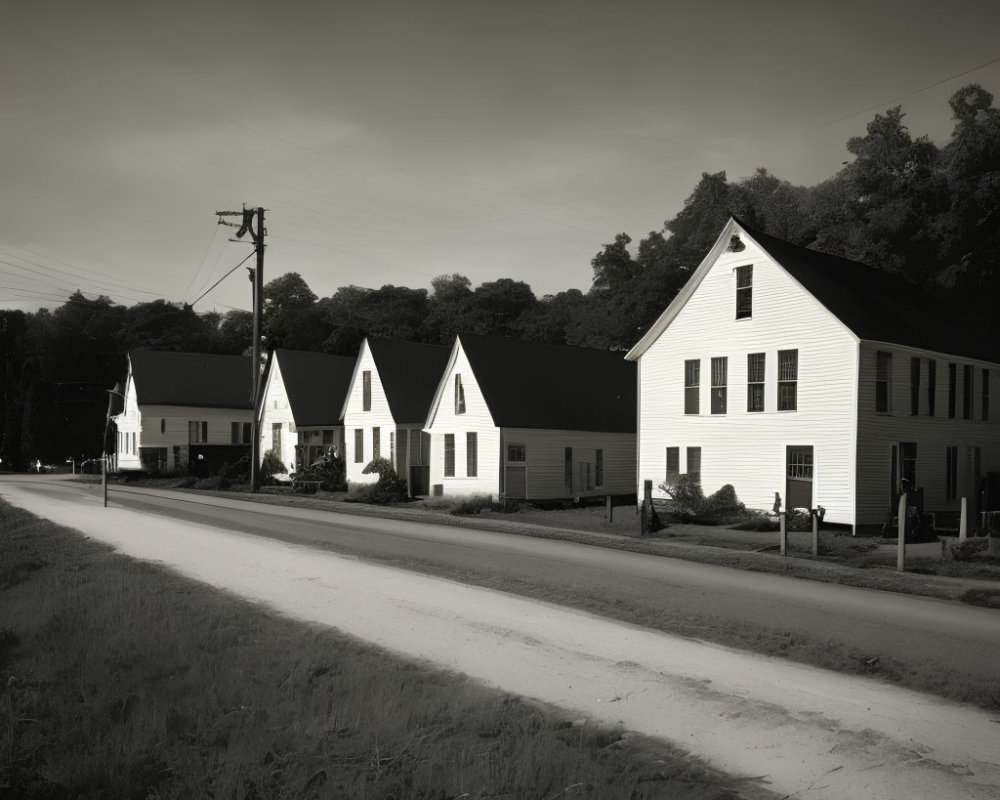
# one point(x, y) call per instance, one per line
point(390, 142)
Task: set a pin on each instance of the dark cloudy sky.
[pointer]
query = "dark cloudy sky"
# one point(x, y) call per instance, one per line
point(391, 142)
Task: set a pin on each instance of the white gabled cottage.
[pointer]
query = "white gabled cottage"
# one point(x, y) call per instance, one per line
point(301, 406)
point(779, 369)
point(522, 420)
point(386, 406)
point(183, 409)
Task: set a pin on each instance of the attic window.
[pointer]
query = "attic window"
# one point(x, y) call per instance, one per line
point(736, 244)
point(459, 395)
point(366, 390)
point(744, 292)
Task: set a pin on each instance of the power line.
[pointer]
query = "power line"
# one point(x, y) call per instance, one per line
point(244, 261)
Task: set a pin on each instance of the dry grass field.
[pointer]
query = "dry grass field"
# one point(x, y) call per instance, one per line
point(121, 680)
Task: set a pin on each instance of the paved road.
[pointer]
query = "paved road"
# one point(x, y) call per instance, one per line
point(806, 619)
point(812, 734)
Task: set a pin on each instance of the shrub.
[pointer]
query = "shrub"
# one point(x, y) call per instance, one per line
point(967, 550)
point(270, 466)
point(472, 504)
point(689, 504)
point(330, 470)
point(390, 487)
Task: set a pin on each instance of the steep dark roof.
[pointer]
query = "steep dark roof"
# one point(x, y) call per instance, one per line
point(410, 374)
point(316, 385)
point(191, 379)
point(877, 305)
point(530, 385)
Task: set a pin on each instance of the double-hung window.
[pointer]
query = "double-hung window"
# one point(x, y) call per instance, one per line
point(744, 292)
point(788, 380)
point(755, 381)
point(366, 390)
point(914, 386)
point(719, 369)
point(673, 463)
point(459, 395)
point(197, 432)
point(931, 385)
point(694, 462)
point(359, 445)
point(952, 389)
point(968, 371)
point(376, 442)
point(239, 432)
point(692, 378)
point(471, 454)
point(883, 381)
point(985, 415)
point(449, 455)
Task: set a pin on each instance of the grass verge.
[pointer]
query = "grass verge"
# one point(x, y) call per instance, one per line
point(120, 679)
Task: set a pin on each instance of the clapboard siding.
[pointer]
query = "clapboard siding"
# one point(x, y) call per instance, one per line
point(276, 410)
point(545, 454)
point(477, 419)
point(933, 434)
point(747, 449)
point(355, 417)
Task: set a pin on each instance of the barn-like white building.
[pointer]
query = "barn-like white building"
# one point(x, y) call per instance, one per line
point(522, 420)
point(779, 369)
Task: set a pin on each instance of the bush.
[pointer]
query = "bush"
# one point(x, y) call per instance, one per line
point(270, 466)
point(689, 504)
point(472, 504)
point(967, 550)
point(390, 487)
point(330, 470)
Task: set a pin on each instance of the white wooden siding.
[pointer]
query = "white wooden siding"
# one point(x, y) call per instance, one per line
point(355, 417)
point(477, 419)
point(276, 410)
point(747, 449)
point(545, 461)
point(878, 432)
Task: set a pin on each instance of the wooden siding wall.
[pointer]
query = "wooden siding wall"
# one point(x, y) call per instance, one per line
point(277, 411)
point(747, 449)
point(879, 431)
point(476, 419)
point(356, 417)
point(128, 422)
point(545, 460)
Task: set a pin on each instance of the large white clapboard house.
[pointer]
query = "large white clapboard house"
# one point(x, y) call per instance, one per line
point(183, 409)
point(779, 369)
point(521, 420)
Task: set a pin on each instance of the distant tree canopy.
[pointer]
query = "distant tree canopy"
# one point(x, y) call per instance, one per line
point(901, 204)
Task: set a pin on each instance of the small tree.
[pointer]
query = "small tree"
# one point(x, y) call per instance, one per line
point(271, 466)
point(389, 488)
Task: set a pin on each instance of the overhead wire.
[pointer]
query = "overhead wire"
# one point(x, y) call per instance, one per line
point(244, 261)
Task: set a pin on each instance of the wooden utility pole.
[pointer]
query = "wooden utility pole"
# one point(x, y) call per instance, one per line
point(257, 277)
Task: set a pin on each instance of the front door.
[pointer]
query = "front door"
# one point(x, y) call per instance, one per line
point(798, 476)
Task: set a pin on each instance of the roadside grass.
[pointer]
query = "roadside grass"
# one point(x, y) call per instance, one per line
point(120, 679)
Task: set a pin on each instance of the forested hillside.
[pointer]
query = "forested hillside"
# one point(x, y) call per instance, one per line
point(930, 213)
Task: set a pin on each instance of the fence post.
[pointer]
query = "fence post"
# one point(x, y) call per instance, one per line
point(963, 522)
point(901, 543)
point(815, 522)
point(647, 507)
point(783, 532)
point(610, 513)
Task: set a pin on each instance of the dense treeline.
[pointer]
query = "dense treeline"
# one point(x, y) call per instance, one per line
point(903, 204)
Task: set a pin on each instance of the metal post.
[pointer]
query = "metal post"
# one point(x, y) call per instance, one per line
point(901, 544)
point(963, 522)
point(783, 533)
point(815, 521)
point(258, 312)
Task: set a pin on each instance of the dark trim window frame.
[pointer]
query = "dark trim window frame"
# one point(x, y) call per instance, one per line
point(359, 445)
point(744, 292)
point(968, 378)
point(366, 390)
point(951, 474)
point(984, 414)
point(914, 386)
point(197, 431)
point(952, 389)
point(459, 395)
point(239, 432)
point(788, 380)
point(376, 442)
point(449, 455)
point(720, 367)
point(694, 462)
point(756, 363)
point(883, 382)
point(471, 454)
point(931, 385)
point(673, 463)
point(692, 388)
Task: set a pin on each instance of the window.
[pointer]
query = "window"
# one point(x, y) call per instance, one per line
point(459, 395)
point(599, 467)
point(788, 380)
point(392, 448)
point(163, 426)
point(328, 436)
point(471, 454)
point(692, 375)
point(366, 390)
point(673, 463)
point(515, 452)
point(914, 386)
point(694, 462)
point(986, 395)
point(908, 462)
point(449, 455)
point(744, 292)
point(197, 432)
point(359, 445)
point(967, 377)
point(931, 385)
point(952, 389)
point(883, 380)
point(276, 437)
point(950, 474)
point(568, 467)
point(755, 381)
point(376, 442)
point(239, 432)
point(719, 368)
point(800, 463)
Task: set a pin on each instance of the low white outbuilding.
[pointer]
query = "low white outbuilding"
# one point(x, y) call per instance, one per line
point(522, 420)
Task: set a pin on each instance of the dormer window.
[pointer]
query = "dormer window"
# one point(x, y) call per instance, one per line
point(459, 395)
point(744, 292)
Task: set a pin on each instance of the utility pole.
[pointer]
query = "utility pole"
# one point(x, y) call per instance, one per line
point(257, 277)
